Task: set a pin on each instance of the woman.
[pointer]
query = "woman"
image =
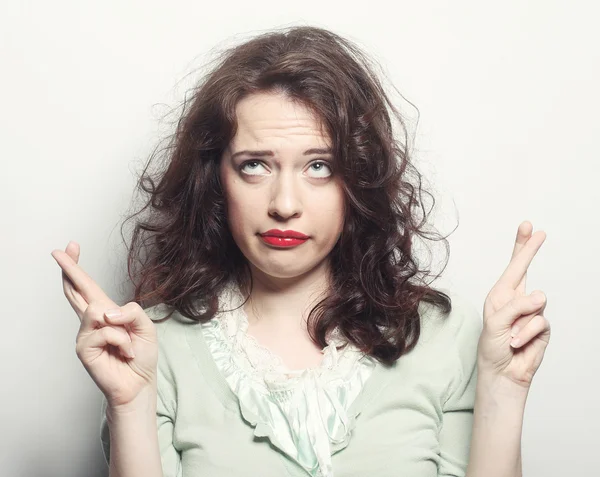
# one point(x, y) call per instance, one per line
point(294, 337)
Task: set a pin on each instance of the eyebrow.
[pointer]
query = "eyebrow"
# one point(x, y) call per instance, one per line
point(308, 152)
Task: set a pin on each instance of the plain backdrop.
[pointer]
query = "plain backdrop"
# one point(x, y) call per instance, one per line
point(508, 131)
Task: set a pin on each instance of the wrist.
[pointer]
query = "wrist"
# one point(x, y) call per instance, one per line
point(144, 404)
point(500, 387)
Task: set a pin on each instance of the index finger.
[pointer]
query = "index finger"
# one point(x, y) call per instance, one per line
point(523, 235)
point(84, 284)
point(77, 302)
point(517, 268)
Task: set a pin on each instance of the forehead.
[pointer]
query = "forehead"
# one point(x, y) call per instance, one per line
point(274, 117)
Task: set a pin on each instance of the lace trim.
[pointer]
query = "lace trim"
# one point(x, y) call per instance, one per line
point(265, 367)
point(261, 363)
point(275, 400)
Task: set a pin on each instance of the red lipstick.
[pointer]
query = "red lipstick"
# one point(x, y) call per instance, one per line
point(283, 238)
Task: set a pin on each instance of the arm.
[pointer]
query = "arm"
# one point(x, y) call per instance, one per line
point(506, 372)
point(134, 438)
point(497, 427)
point(141, 431)
point(504, 375)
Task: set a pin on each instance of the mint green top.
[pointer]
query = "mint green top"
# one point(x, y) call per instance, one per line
point(411, 419)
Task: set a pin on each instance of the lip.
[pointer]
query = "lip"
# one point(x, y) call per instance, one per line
point(282, 242)
point(288, 234)
point(283, 238)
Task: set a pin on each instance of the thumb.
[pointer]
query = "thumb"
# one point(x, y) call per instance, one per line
point(134, 318)
point(519, 306)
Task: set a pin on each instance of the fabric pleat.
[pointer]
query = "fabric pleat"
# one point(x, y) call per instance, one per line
point(304, 413)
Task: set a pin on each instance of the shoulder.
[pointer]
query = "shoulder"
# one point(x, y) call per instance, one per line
point(173, 334)
point(464, 318)
point(168, 328)
point(455, 332)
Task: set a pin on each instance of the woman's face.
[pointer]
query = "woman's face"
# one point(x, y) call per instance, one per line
point(275, 178)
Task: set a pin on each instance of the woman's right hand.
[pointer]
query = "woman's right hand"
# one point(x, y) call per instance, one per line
point(103, 344)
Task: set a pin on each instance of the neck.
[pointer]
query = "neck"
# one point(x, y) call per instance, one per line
point(284, 303)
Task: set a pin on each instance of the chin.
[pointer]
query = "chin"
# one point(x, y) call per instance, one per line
point(284, 264)
point(282, 271)
point(287, 266)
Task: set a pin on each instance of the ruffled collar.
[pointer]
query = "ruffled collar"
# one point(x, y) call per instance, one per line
point(305, 413)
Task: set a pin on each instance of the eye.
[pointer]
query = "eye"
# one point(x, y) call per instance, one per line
point(250, 168)
point(321, 169)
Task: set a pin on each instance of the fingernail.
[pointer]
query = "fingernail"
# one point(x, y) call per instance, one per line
point(514, 332)
point(131, 354)
point(113, 313)
point(516, 342)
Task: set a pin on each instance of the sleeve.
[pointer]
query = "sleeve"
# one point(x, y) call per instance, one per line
point(457, 410)
point(165, 421)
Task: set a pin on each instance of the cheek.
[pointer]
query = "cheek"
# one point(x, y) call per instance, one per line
point(338, 201)
point(238, 217)
point(235, 210)
point(241, 208)
point(330, 210)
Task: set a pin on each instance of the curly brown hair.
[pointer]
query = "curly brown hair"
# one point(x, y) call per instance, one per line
point(190, 253)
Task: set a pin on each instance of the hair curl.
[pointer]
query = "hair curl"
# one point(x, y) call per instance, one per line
point(190, 253)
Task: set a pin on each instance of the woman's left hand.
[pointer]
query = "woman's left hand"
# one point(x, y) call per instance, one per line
point(508, 308)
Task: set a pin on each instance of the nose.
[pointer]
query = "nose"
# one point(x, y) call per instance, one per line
point(285, 202)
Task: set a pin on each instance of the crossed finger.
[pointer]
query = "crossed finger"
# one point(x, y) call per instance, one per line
point(79, 287)
point(523, 235)
point(73, 296)
point(515, 274)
